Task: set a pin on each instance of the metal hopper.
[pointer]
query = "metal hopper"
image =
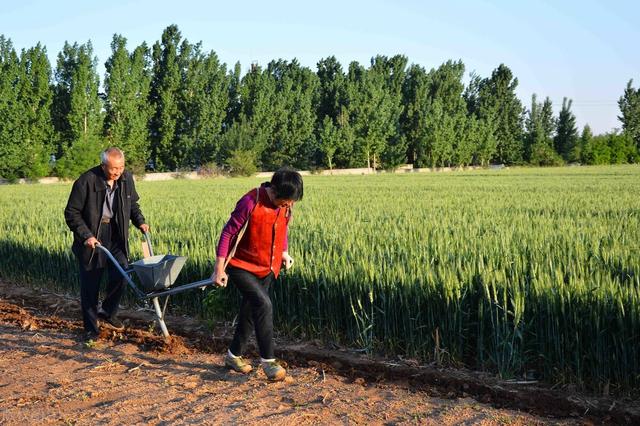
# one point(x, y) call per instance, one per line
point(156, 275)
point(158, 272)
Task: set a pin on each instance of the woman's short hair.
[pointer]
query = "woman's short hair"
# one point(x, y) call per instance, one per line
point(287, 184)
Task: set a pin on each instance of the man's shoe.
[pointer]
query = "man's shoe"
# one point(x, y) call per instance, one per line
point(113, 321)
point(274, 371)
point(237, 364)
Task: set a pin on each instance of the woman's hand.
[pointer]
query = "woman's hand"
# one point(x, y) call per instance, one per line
point(219, 276)
point(287, 261)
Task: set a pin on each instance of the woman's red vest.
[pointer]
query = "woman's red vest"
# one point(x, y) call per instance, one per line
point(260, 248)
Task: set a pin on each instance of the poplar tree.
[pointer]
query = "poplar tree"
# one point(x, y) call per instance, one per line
point(77, 109)
point(566, 139)
point(233, 106)
point(203, 103)
point(629, 104)
point(370, 109)
point(414, 117)
point(585, 139)
point(293, 136)
point(10, 144)
point(446, 141)
point(393, 69)
point(329, 140)
point(331, 89)
point(483, 123)
point(497, 97)
point(127, 84)
point(538, 139)
point(331, 103)
point(168, 56)
point(34, 102)
point(257, 97)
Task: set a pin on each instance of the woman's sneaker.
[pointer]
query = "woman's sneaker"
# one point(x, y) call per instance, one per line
point(237, 364)
point(274, 371)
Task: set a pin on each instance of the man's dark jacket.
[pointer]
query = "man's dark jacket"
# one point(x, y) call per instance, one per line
point(84, 211)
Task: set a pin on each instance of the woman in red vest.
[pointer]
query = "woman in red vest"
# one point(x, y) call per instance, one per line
point(254, 245)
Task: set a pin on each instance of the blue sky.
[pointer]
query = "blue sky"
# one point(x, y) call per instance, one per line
point(584, 50)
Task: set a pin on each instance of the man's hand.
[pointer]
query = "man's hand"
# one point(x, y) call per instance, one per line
point(144, 228)
point(92, 242)
point(287, 261)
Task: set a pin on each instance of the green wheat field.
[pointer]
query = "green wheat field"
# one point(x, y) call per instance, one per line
point(529, 273)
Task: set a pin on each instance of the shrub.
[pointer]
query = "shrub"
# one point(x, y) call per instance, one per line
point(80, 157)
point(242, 163)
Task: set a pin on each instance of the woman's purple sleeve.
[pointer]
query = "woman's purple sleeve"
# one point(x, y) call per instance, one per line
point(238, 218)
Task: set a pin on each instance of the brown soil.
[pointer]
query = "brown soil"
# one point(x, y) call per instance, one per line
point(48, 375)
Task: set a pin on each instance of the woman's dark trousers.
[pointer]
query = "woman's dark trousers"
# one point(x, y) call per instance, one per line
point(256, 312)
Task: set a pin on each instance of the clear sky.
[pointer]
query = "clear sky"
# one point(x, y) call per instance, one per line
point(585, 50)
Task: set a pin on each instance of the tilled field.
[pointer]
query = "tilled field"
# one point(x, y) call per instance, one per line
point(48, 375)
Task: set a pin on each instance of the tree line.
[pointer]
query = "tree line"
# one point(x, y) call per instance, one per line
point(174, 106)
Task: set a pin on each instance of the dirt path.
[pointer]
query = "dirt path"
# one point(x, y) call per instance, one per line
point(48, 376)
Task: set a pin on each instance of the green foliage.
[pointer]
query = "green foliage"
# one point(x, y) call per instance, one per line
point(373, 105)
point(394, 152)
point(241, 145)
point(329, 140)
point(496, 97)
point(438, 130)
point(414, 117)
point(204, 102)
point(539, 128)
point(80, 157)
point(292, 139)
point(234, 106)
point(26, 131)
point(241, 136)
point(35, 97)
point(331, 96)
point(482, 140)
point(344, 155)
point(482, 122)
point(566, 139)
point(127, 85)
point(177, 107)
point(11, 160)
point(629, 104)
point(242, 163)
point(77, 109)
point(543, 155)
point(257, 94)
point(610, 148)
point(334, 138)
point(579, 149)
point(169, 58)
point(440, 136)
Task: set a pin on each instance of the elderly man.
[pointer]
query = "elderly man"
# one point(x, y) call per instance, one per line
point(101, 203)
